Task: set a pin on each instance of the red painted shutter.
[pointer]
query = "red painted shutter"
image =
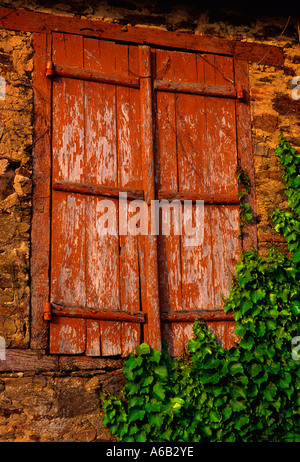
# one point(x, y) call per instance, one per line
point(156, 124)
point(96, 279)
point(196, 156)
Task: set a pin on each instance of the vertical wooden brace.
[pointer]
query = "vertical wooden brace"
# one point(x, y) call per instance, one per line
point(152, 332)
point(40, 241)
point(244, 145)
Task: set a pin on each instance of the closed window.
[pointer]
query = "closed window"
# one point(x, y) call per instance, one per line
point(133, 124)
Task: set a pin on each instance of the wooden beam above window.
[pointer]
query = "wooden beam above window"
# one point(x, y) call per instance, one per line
point(30, 21)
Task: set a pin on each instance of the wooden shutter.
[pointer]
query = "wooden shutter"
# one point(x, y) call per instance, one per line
point(96, 279)
point(155, 124)
point(196, 158)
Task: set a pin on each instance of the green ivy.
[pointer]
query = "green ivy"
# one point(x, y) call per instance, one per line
point(244, 190)
point(249, 392)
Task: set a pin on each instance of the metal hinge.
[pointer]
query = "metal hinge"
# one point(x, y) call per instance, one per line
point(239, 91)
point(50, 69)
point(47, 311)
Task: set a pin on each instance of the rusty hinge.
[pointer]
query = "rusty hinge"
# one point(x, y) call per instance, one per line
point(47, 311)
point(50, 69)
point(239, 91)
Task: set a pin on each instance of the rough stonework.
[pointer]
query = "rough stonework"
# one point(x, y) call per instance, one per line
point(16, 107)
point(62, 404)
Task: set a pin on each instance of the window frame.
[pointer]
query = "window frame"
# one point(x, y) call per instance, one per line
point(41, 26)
point(41, 219)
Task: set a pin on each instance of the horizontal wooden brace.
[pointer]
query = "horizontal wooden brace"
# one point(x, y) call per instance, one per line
point(198, 89)
point(57, 70)
point(191, 316)
point(211, 199)
point(137, 316)
point(97, 190)
point(91, 313)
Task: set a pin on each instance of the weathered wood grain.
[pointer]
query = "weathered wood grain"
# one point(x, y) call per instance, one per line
point(20, 360)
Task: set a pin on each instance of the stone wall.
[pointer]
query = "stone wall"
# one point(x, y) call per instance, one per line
point(65, 405)
point(16, 65)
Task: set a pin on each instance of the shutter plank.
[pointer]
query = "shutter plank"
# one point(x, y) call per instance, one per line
point(68, 112)
point(101, 168)
point(222, 149)
point(226, 247)
point(68, 272)
point(152, 331)
point(68, 249)
point(68, 336)
point(192, 172)
point(68, 210)
point(129, 167)
point(169, 258)
point(93, 344)
point(221, 128)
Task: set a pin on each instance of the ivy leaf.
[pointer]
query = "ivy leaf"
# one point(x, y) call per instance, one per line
point(247, 343)
point(295, 306)
point(161, 372)
point(177, 403)
point(236, 368)
point(227, 412)
point(246, 305)
point(237, 391)
point(210, 378)
point(214, 416)
point(240, 421)
point(237, 405)
point(156, 419)
point(147, 381)
point(153, 406)
point(258, 294)
point(141, 437)
point(271, 324)
point(155, 356)
point(296, 256)
point(261, 329)
point(270, 392)
point(135, 414)
point(159, 391)
point(144, 349)
point(132, 387)
point(285, 380)
point(240, 329)
point(255, 369)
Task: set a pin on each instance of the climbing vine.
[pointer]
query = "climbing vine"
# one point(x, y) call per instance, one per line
point(244, 190)
point(249, 392)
